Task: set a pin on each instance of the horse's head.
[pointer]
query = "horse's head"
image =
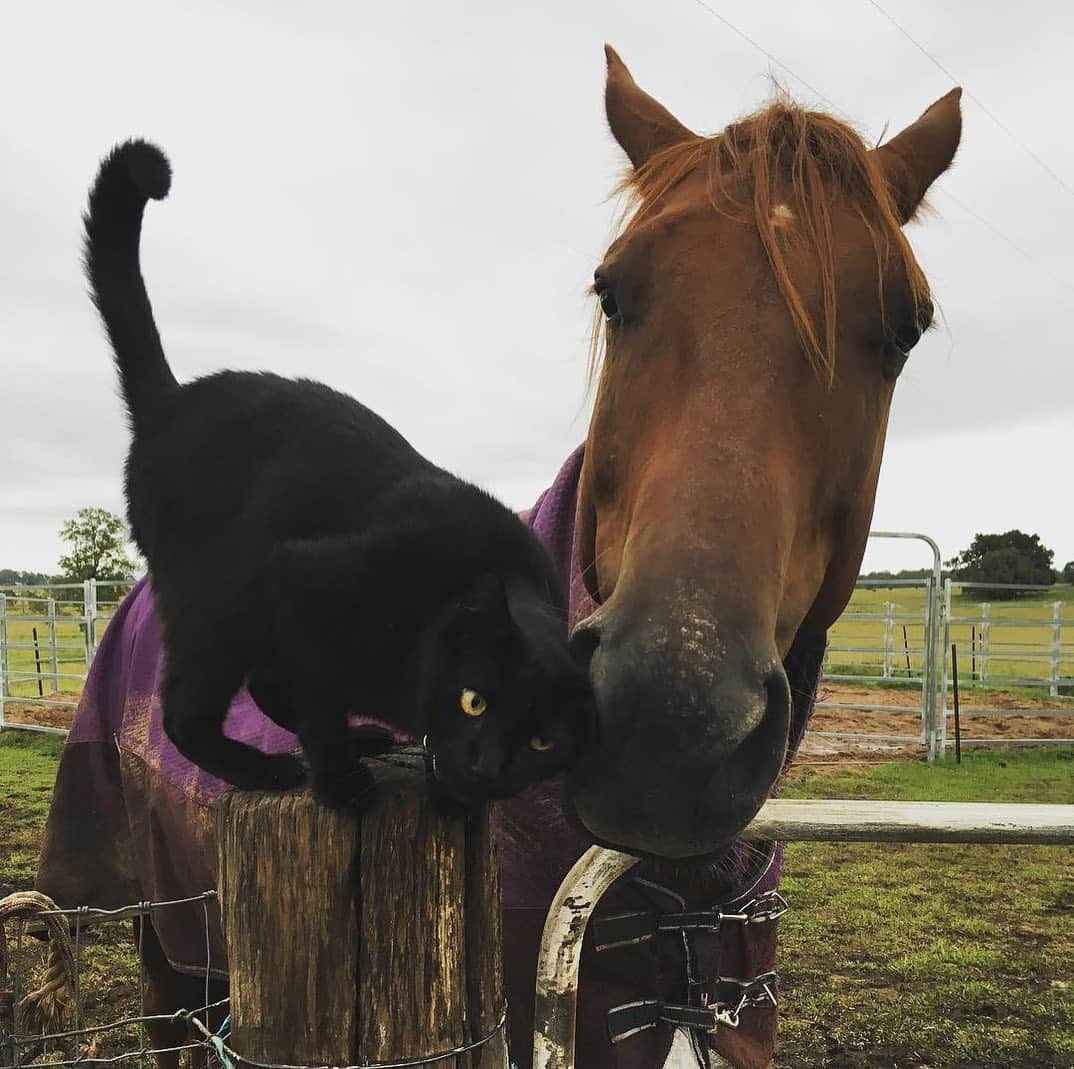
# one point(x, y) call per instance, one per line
point(758, 307)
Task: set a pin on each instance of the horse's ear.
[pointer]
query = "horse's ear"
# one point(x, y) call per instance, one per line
point(638, 123)
point(914, 159)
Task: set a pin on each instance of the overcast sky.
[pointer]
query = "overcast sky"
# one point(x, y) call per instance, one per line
point(407, 201)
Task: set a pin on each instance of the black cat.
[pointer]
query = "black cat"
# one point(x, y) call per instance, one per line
point(296, 542)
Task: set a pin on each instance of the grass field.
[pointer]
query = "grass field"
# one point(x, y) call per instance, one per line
point(109, 964)
point(892, 956)
point(959, 957)
point(1016, 650)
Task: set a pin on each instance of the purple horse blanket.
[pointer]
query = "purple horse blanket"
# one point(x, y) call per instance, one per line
point(132, 820)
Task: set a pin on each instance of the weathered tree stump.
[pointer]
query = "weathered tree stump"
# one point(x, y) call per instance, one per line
point(355, 939)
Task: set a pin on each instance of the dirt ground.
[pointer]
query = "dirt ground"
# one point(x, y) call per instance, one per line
point(50, 716)
point(1031, 718)
point(1036, 719)
point(53, 716)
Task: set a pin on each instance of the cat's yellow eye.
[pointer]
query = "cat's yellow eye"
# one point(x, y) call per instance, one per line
point(472, 703)
point(541, 745)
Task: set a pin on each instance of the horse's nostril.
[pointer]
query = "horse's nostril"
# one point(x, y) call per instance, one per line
point(751, 710)
point(584, 642)
point(777, 692)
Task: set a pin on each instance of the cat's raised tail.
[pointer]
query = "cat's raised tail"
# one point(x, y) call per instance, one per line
point(129, 175)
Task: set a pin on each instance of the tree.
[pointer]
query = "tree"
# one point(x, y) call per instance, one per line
point(98, 541)
point(1013, 557)
point(1067, 574)
point(14, 577)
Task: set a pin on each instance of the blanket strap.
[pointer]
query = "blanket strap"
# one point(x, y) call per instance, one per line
point(731, 998)
point(627, 929)
point(711, 1004)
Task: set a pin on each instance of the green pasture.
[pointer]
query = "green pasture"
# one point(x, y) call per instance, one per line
point(109, 975)
point(949, 957)
point(1019, 649)
point(935, 957)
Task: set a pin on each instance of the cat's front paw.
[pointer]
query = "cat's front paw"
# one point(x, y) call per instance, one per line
point(284, 772)
point(344, 792)
point(368, 740)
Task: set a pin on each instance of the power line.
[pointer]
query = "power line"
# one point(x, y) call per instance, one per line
point(986, 223)
point(1030, 258)
point(764, 52)
point(992, 115)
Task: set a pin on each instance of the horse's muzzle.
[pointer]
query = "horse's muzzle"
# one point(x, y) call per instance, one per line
point(691, 736)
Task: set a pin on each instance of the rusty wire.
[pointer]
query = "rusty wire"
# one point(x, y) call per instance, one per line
point(61, 985)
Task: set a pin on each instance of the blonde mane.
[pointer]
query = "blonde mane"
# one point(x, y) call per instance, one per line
point(779, 164)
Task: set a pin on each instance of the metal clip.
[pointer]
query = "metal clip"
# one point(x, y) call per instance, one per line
point(755, 992)
point(723, 1009)
point(767, 907)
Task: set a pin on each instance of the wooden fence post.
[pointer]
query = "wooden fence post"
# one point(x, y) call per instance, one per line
point(354, 939)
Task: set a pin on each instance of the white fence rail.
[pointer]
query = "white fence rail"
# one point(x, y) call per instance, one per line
point(48, 639)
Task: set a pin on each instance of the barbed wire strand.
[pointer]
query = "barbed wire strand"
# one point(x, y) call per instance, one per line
point(211, 1042)
point(214, 1042)
point(111, 1060)
point(122, 912)
point(122, 1022)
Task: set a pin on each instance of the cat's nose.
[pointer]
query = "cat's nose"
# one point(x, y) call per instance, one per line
point(486, 762)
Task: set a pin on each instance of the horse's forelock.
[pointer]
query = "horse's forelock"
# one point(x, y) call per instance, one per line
point(782, 162)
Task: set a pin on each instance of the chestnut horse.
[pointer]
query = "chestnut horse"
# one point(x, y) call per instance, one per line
point(758, 307)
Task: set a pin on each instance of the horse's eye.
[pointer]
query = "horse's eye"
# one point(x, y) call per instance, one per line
point(908, 333)
point(609, 306)
point(472, 703)
point(906, 336)
point(541, 744)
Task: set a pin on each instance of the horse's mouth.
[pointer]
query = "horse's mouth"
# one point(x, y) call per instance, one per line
point(721, 874)
point(711, 858)
point(689, 811)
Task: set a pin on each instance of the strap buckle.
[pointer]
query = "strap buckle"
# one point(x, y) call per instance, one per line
point(760, 991)
point(626, 929)
point(724, 1009)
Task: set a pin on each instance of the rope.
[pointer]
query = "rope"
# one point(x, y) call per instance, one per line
point(43, 1009)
